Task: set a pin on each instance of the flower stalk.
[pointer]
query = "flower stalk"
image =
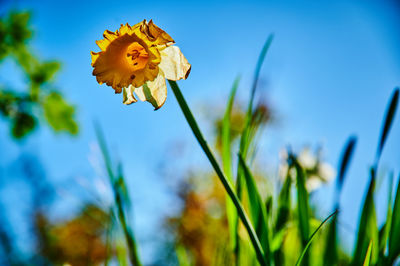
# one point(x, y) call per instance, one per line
point(227, 185)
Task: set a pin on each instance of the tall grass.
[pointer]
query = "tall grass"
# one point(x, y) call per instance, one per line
point(373, 246)
point(281, 230)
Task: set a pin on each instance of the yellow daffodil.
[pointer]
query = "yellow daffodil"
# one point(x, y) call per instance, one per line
point(136, 60)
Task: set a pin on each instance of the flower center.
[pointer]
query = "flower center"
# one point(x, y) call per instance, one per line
point(137, 56)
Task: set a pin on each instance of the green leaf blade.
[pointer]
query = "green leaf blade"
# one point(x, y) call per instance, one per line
point(227, 164)
point(257, 208)
point(388, 120)
point(368, 228)
point(312, 238)
point(394, 235)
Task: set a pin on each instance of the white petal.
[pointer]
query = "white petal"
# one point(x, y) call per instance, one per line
point(174, 64)
point(128, 97)
point(307, 159)
point(155, 92)
point(326, 172)
point(313, 183)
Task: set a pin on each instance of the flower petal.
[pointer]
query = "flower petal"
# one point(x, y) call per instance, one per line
point(113, 68)
point(155, 92)
point(174, 64)
point(128, 96)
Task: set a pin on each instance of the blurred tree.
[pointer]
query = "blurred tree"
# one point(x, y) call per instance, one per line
point(23, 108)
point(78, 241)
point(40, 99)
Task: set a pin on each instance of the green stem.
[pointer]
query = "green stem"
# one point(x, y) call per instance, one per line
point(133, 255)
point(227, 185)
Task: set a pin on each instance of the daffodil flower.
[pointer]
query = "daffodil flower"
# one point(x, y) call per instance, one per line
point(136, 60)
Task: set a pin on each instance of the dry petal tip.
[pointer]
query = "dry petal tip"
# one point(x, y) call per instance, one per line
point(188, 72)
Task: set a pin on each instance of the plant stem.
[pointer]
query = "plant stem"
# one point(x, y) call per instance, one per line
point(227, 185)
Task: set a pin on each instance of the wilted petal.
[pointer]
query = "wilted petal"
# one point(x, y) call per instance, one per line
point(155, 92)
point(128, 96)
point(174, 64)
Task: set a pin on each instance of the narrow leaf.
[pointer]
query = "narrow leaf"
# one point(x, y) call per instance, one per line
point(331, 248)
point(260, 61)
point(368, 228)
point(368, 256)
point(331, 253)
point(282, 216)
point(227, 164)
point(345, 161)
point(312, 238)
point(283, 204)
point(225, 182)
point(257, 208)
point(302, 202)
point(121, 198)
point(394, 235)
point(277, 239)
point(226, 133)
point(244, 140)
point(104, 152)
point(391, 110)
point(384, 232)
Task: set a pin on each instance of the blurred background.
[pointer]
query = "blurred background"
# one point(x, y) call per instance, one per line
point(328, 75)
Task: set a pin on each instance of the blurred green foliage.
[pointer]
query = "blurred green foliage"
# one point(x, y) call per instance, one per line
point(40, 99)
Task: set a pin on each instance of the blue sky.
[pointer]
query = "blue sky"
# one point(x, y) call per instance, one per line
point(330, 72)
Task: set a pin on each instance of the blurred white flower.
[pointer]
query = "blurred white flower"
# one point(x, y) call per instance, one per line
point(317, 172)
point(313, 183)
point(306, 159)
point(326, 172)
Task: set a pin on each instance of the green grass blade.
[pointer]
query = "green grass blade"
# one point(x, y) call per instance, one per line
point(121, 255)
point(257, 208)
point(277, 241)
point(181, 254)
point(368, 228)
point(394, 235)
point(283, 204)
point(331, 248)
point(227, 164)
point(109, 230)
point(384, 232)
point(389, 116)
point(367, 259)
point(302, 203)
point(105, 153)
point(226, 133)
point(331, 253)
point(225, 182)
point(260, 62)
point(282, 217)
point(344, 163)
point(121, 198)
point(245, 138)
point(312, 238)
